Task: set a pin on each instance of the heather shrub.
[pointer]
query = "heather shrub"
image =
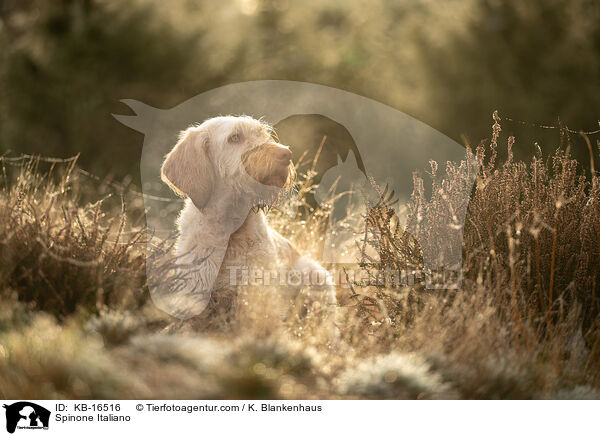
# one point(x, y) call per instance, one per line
point(530, 269)
point(60, 255)
point(530, 236)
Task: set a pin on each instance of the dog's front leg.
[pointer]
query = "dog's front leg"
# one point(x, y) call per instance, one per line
point(199, 258)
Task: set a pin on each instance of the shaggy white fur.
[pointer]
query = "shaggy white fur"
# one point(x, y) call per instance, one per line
point(227, 166)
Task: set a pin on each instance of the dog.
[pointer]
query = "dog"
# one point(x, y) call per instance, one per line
point(230, 168)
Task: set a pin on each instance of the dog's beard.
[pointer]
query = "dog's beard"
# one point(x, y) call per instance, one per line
point(271, 188)
point(276, 176)
point(260, 164)
point(279, 178)
point(267, 181)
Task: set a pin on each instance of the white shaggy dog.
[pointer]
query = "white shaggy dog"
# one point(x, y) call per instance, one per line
point(227, 166)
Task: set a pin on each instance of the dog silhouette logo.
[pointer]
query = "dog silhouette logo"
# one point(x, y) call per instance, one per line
point(26, 415)
point(356, 140)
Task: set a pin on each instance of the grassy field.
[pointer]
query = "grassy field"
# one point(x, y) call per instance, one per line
point(77, 321)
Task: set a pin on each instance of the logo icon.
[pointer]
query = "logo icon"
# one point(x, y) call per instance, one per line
point(26, 415)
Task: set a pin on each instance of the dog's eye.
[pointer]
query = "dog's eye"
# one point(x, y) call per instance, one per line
point(235, 138)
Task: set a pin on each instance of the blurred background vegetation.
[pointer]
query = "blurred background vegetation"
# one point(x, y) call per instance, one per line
point(64, 65)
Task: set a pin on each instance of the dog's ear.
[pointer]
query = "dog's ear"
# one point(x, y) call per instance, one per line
point(187, 169)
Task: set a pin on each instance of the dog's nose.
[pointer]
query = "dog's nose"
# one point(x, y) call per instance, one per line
point(283, 153)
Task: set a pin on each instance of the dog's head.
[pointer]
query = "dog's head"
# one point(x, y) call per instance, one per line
point(239, 152)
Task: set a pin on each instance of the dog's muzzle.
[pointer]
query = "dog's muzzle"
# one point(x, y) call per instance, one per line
point(269, 164)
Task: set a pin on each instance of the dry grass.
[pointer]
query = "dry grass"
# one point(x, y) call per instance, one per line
point(61, 255)
point(76, 320)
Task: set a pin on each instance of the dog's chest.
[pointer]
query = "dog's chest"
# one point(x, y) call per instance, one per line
point(251, 250)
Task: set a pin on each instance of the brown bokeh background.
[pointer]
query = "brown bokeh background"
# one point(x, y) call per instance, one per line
point(64, 65)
